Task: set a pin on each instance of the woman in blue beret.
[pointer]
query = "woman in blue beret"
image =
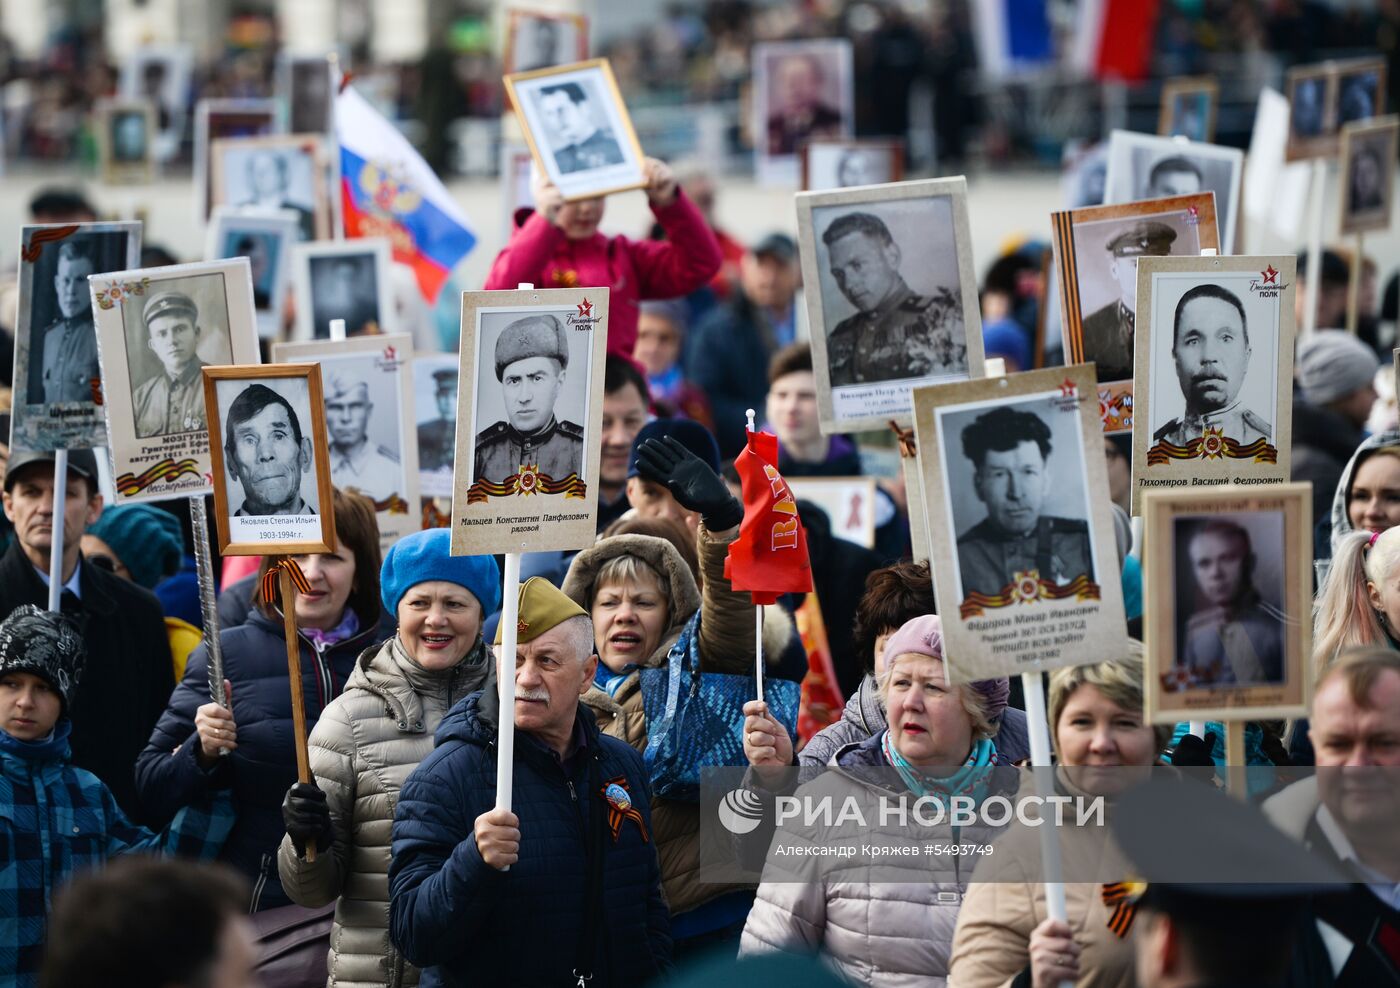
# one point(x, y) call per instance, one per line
point(373, 736)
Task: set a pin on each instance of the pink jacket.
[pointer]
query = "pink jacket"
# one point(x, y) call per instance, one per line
point(635, 270)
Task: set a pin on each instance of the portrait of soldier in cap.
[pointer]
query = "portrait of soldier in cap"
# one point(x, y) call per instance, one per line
point(1211, 351)
point(356, 461)
point(437, 437)
point(897, 333)
point(1108, 332)
point(578, 141)
point(67, 357)
point(532, 358)
point(1010, 450)
point(267, 453)
point(171, 400)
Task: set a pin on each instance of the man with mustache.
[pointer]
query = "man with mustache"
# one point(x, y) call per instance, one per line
point(1010, 450)
point(172, 400)
point(1210, 345)
point(266, 453)
point(897, 333)
point(1235, 639)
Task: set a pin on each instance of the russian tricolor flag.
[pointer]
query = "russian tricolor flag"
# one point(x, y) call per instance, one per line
point(388, 190)
point(1013, 36)
point(1113, 38)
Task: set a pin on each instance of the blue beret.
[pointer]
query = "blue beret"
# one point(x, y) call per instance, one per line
point(692, 435)
point(425, 556)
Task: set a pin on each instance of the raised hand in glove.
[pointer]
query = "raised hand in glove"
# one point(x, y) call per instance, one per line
point(306, 817)
point(691, 482)
point(1192, 752)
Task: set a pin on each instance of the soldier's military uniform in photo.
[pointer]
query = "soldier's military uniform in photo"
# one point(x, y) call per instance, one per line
point(906, 335)
point(436, 439)
point(1108, 332)
point(172, 401)
point(989, 557)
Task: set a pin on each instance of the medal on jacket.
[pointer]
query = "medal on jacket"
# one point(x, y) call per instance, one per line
point(620, 808)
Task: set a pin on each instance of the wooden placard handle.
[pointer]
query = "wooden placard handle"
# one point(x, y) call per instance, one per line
point(289, 621)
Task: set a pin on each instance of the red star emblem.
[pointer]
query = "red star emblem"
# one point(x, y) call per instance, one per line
point(1270, 275)
point(585, 309)
point(1068, 389)
point(391, 353)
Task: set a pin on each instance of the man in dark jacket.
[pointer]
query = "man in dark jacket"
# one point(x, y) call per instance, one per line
point(1335, 374)
point(563, 886)
point(128, 677)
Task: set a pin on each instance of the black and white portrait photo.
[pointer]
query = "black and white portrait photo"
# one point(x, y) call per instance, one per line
point(540, 41)
point(129, 136)
point(220, 120)
point(1017, 491)
point(530, 413)
point(1188, 109)
point(578, 128)
point(1230, 589)
point(266, 240)
point(162, 76)
point(309, 97)
point(1359, 95)
point(276, 174)
point(342, 280)
point(847, 164)
point(435, 379)
point(1307, 102)
point(126, 137)
point(1148, 167)
point(803, 91)
point(1368, 174)
point(179, 327)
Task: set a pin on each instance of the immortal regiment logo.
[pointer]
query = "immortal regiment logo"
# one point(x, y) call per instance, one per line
point(584, 320)
point(527, 481)
point(167, 470)
point(388, 360)
point(1267, 284)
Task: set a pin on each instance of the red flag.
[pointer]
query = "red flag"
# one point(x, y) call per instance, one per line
point(821, 701)
point(769, 558)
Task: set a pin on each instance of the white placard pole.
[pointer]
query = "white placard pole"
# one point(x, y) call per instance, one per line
point(1196, 727)
point(337, 329)
point(757, 615)
point(1319, 191)
point(1038, 727)
point(60, 498)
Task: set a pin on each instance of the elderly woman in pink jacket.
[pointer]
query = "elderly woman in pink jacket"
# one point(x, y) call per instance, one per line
point(938, 747)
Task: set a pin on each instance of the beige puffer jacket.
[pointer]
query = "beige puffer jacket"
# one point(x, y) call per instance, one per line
point(726, 645)
point(367, 742)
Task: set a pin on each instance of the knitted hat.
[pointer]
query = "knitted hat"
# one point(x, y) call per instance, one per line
point(44, 643)
point(924, 636)
point(1333, 364)
point(148, 541)
point(425, 556)
point(542, 606)
point(692, 435)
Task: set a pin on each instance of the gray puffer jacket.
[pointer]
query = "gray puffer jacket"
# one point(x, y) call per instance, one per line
point(367, 742)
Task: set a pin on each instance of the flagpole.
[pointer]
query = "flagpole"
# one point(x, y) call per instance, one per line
point(757, 614)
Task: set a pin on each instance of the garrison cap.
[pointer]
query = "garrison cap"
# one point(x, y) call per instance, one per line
point(168, 304)
point(542, 606)
point(1147, 237)
point(446, 376)
point(532, 336)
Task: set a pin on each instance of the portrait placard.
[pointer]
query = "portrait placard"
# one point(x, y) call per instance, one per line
point(1368, 170)
point(828, 164)
point(271, 472)
point(342, 279)
point(126, 138)
point(537, 40)
point(578, 128)
point(306, 87)
point(57, 376)
point(1188, 108)
point(266, 239)
point(517, 172)
point(849, 504)
point(435, 414)
point(372, 445)
point(1143, 166)
point(912, 468)
point(802, 90)
point(274, 173)
point(1015, 491)
point(891, 297)
point(1096, 253)
point(157, 329)
point(1227, 586)
point(530, 425)
point(162, 75)
point(1324, 97)
point(217, 119)
point(1213, 396)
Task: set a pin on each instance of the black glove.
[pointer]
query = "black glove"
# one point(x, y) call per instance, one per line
point(691, 482)
point(306, 816)
point(1192, 752)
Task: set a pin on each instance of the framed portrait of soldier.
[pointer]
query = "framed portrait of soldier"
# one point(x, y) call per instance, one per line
point(578, 128)
point(1227, 589)
point(126, 133)
point(891, 297)
point(1368, 174)
point(1021, 532)
point(1188, 108)
point(161, 74)
point(1144, 166)
point(57, 376)
point(537, 40)
point(847, 502)
point(1082, 175)
point(266, 239)
point(342, 279)
point(271, 471)
point(435, 377)
point(516, 174)
point(802, 91)
point(371, 440)
point(1324, 97)
point(529, 425)
point(1097, 250)
point(284, 172)
point(828, 164)
point(222, 119)
point(306, 87)
point(157, 329)
point(1212, 394)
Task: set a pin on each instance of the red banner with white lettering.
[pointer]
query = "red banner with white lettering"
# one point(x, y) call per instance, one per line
point(769, 558)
